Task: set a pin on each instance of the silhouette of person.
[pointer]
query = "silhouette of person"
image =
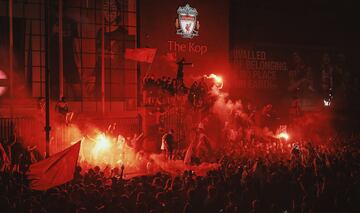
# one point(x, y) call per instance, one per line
point(180, 71)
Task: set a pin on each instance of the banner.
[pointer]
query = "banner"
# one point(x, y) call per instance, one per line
point(278, 73)
point(141, 54)
point(55, 170)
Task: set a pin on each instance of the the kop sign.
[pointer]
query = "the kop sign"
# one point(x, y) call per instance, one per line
point(186, 24)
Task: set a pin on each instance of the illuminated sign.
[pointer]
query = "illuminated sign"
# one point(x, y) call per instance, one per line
point(186, 24)
point(3, 82)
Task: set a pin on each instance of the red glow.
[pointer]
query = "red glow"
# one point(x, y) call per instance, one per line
point(218, 81)
point(283, 135)
point(107, 150)
point(2, 88)
point(103, 144)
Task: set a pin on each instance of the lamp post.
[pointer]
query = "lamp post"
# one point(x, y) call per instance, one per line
point(47, 81)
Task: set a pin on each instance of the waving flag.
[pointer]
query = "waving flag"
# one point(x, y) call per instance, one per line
point(55, 170)
point(141, 54)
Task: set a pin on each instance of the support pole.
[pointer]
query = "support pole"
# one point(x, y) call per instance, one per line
point(138, 67)
point(61, 51)
point(103, 60)
point(11, 48)
point(47, 81)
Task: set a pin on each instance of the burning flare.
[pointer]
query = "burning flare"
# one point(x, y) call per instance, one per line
point(283, 135)
point(106, 149)
point(218, 81)
point(102, 146)
point(327, 103)
point(102, 143)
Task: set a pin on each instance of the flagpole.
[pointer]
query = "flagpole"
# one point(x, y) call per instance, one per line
point(61, 50)
point(138, 68)
point(11, 52)
point(103, 60)
point(47, 82)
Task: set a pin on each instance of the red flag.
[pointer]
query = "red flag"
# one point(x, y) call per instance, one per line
point(141, 54)
point(171, 57)
point(55, 170)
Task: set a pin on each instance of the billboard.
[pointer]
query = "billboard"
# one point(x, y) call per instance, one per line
point(193, 30)
point(277, 74)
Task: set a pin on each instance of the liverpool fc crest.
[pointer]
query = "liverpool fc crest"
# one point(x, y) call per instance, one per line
point(186, 23)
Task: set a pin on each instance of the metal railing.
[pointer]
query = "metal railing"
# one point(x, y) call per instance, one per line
point(32, 131)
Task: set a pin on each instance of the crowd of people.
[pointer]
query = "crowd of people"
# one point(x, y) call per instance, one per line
point(306, 178)
point(159, 90)
point(15, 156)
point(254, 176)
point(257, 172)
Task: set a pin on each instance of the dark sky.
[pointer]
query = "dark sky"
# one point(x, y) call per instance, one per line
point(306, 22)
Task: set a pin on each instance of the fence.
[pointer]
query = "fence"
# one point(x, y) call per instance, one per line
point(10, 126)
point(32, 131)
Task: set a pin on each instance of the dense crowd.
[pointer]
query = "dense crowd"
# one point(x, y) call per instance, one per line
point(256, 174)
point(159, 91)
point(15, 156)
point(305, 178)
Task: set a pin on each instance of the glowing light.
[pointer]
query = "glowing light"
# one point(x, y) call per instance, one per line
point(101, 148)
point(108, 150)
point(102, 143)
point(283, 135)
point(327, 103)
point(2, 87)
point(218, 81)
